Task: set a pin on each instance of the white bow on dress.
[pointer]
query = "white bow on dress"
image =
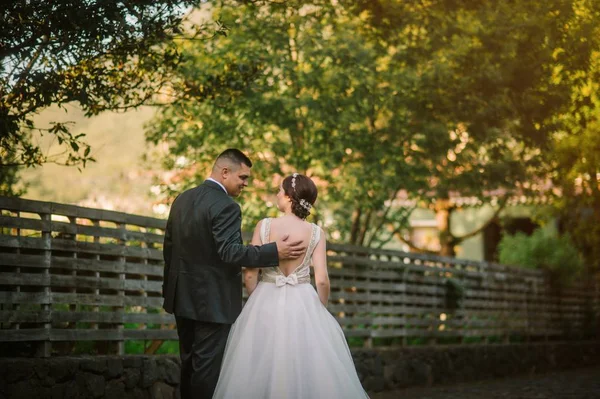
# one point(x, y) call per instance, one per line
point(281, 280)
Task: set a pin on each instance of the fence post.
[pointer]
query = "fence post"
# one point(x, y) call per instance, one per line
point(369, 341)
point(96, 308)
point(596, 306)
point(531, 304)
point(404, 305)
point(14, 306)
point(505, 306)
point(120, 309)
point(433, 324)
point(45, 348)
point(144, 244)
point(73, 306)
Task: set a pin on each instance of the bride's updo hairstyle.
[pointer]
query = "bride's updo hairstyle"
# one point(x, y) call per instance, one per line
point(303, 193)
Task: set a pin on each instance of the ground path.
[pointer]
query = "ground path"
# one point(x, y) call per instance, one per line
point(572, 384)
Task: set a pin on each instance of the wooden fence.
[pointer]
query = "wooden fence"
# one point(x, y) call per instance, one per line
point(71, 274)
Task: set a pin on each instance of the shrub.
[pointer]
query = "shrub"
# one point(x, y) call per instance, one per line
point(543, 250)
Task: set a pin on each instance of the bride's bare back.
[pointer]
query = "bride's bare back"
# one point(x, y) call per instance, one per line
point(297, 230)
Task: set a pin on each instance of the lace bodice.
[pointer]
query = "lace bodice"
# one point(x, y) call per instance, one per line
point(302, 273)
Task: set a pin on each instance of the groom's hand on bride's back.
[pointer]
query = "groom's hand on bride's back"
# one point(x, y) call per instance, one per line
point(289, 250)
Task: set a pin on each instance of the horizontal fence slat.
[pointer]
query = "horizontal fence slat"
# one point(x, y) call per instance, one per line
point(11, 298)
point(30, 334)
point(78, 282)
point(71, 229)
point(40, 207)
point(92, 248)
point(40, 334)
point(85, 335)
point(151, 334)
point(50, 316)
point(79, 264)
point(41, 316)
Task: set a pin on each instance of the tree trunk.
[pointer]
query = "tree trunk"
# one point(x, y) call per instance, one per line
point(365, 227)
point(443, 211)
point(355, 226)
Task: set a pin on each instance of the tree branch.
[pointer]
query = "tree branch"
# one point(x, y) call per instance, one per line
point(503, 203)
point(9, 51)
point(413, 246)
point(24, 74)
point(388, 239)
point(384, 217)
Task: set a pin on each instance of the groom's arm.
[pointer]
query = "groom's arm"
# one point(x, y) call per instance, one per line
point(251, 274)
point(227, 234)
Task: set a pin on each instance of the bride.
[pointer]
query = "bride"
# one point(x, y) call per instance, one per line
point(285, 344)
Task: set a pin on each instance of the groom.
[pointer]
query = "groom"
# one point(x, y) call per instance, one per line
point(203, 254)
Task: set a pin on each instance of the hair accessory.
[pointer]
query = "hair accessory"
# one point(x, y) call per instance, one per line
point(305, 204)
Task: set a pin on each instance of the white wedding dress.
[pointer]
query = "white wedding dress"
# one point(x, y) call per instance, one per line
point(285, 344)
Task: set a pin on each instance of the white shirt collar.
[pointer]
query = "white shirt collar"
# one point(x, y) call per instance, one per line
point(219, 183)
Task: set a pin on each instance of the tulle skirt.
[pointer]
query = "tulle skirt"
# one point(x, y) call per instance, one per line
point(285, 344)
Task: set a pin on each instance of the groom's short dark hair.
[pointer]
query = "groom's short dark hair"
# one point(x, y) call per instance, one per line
point(236, 156)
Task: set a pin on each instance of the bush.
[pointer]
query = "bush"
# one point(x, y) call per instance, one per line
point(543, 250)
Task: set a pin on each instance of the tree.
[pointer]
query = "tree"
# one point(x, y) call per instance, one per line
point(575, 151)
point(8, 182)
point(319, 102)
point(104, 55)
point(488, 69)
point(426, 100)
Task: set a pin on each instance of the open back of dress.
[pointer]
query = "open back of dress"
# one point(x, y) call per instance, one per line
point(302, 272)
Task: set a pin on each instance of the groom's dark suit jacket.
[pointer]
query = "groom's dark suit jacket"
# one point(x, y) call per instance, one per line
point(204, 253)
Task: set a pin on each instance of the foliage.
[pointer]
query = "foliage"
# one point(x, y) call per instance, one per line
point(478, 89)
point(424, 101)
point(318, 103)
point(543, 250)
point(139, 347)
point(111, 55)
point(9, 177)
point(327, 99)
point(575, 153)
point(496, 68)
point(581, 221)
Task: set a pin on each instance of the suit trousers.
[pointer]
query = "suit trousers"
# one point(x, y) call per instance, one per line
point(201, 348)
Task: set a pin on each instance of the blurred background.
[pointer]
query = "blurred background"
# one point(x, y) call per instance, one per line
point(431, 126)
